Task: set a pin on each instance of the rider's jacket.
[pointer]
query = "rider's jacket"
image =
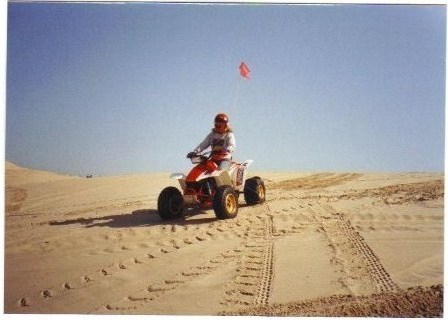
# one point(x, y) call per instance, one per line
point(222, 144)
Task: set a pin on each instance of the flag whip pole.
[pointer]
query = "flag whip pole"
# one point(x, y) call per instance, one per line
point(237, 95)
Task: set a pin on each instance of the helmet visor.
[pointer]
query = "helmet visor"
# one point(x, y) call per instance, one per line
point(220, 126)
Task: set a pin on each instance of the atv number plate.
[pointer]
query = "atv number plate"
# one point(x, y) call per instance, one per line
point(239, 176)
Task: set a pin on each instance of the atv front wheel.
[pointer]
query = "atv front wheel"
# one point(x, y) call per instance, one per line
point(170, 204)
point(254, 191)
point(225, 203)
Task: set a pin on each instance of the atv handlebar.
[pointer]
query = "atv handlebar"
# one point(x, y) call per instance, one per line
point(197, 157)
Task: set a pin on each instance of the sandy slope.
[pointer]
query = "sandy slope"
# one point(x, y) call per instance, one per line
point(322, 244)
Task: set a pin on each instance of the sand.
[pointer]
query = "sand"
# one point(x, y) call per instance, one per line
point(323, 244)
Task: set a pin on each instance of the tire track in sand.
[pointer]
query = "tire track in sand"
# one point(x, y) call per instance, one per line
point(254, 259)
point(253, 281)
point(267, 274)
point(361, 267)
point(381, 277)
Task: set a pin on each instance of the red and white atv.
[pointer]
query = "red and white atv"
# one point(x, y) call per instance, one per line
point(206, 187)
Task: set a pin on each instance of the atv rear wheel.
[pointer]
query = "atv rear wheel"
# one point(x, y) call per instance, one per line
point(225, 203)
point(254, 191)
point(170, 204)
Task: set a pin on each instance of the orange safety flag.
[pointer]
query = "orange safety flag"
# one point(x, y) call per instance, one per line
point(244, 70)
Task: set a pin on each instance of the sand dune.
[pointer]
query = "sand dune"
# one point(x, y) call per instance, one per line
point(323, 244)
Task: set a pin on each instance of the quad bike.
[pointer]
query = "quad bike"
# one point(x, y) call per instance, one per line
point(206, 187)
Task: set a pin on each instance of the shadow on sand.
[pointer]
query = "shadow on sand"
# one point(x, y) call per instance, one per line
point(138, 218)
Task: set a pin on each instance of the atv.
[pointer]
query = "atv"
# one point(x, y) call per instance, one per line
point(207, 187)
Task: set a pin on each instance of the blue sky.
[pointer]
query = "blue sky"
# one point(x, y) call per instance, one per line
point(130, 88)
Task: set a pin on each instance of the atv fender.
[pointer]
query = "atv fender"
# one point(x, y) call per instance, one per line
point(181, 177)
point(177, 176)
point(247, 163)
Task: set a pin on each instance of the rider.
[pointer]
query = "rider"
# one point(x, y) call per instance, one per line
point(221, 140)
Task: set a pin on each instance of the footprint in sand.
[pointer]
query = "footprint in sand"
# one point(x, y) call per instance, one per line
point(191, 273)
point(174, 281)
point(201, 238)
point(67, 286)
point(23, 302)
point(136, 260)
point(46, 294)
point(164, 250)
point(154, 288)
point(139, 298)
